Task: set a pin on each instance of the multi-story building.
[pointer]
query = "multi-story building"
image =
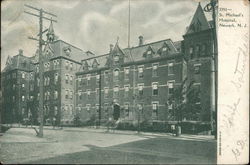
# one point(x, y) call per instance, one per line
point(131, 83)
point(60, 62)
point(15, 79)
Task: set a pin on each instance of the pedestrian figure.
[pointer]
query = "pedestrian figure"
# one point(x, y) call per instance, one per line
point(54, 122)
point(173, 129)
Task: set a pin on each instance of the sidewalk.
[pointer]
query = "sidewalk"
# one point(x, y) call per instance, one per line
point(128, 132)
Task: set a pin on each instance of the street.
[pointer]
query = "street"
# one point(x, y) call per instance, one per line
point(90, 145)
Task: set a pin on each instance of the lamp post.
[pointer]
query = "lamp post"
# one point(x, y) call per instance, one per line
point(214, 65)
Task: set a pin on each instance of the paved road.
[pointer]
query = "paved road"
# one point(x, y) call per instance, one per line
point(65, 146)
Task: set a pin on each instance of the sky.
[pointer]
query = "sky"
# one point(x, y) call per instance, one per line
point(94, 24)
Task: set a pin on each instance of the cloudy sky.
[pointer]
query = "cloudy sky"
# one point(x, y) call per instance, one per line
point(94, 24)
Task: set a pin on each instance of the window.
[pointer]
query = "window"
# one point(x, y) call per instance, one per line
point(13, 98)
point(140, 71)
point(23, 85)
point(140, 89)
point(88, 93)
point(13, 86)
point(155, 70)
point(56, 78)
point(88, 107)
point(97, 93)
point(37, 68)
point(126, 73)
point(116, 91)
point(67, 65)
point(31, 76)
point(155, 110)
point(31, 87)
point(48, 81)
point(197, 68)
point(38, 96)
point(126, 90)
point(23, 75)
point(71, 80)
point(97, 79)
point(106, 92)
point(66, 79)
point(149, 52)
point(23, 98)
point(164, 49)
point(197, 88)
point(191, 52)
point(14, 75)
point(71, 95)
point(48, 95)
point(116, 58)
point(105, 108)
point(88, 79)
point(80, 94)
point(126, 108)
point(71, 66)
point(55, 110)
point(38, 81)
point(106, 77)
point(55, 95)
point(31, 98)
point(203, 50)
point(197, 50)
point(97, 108)
point(170, 105)
point(66, 94)
point(170, 87)
point(170, 68)
point(155, 88)
point(140, 107)
point(116, 74)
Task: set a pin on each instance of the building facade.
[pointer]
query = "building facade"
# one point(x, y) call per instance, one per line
point(133, 84)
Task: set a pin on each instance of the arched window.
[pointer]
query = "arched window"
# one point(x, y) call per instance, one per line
point(197, 50)
point(191, 52)
point(116, 74)
point(203, 49)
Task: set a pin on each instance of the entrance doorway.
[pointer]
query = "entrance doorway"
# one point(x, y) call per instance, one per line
point(116, 113)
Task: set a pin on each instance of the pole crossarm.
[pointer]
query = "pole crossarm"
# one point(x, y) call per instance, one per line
point(39, 16)
point(39, 10)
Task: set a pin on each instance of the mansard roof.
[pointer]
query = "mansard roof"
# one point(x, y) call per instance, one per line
point(134, 54)
point(20, 62)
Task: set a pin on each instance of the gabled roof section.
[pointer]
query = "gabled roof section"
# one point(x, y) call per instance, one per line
point(136, 53)
point(117, 49)
point(199, 21)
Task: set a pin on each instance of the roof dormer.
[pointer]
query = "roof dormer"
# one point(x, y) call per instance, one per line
point(149, 52)
point(164, 50)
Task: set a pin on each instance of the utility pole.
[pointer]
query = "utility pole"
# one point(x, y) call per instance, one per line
point(100, 97)
point(128, 23)
point(41, 43)
point(214, 63)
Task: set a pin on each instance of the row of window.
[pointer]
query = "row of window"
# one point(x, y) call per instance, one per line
point(126, 74)
point(197, 50)
point(126, 106)
point(155, 90)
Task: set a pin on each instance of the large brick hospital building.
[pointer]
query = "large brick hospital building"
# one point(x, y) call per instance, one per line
point(124, 83)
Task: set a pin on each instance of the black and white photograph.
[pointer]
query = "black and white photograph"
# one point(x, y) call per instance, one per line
point(109, 82)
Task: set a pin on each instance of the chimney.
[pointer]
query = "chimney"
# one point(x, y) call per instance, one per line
point(140, 40)
point(111, 47)
point(20, 52)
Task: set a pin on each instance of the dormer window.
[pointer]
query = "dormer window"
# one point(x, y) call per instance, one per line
point(116, 58)
point(149, 52)
point(67, 51)
point(164, 49)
